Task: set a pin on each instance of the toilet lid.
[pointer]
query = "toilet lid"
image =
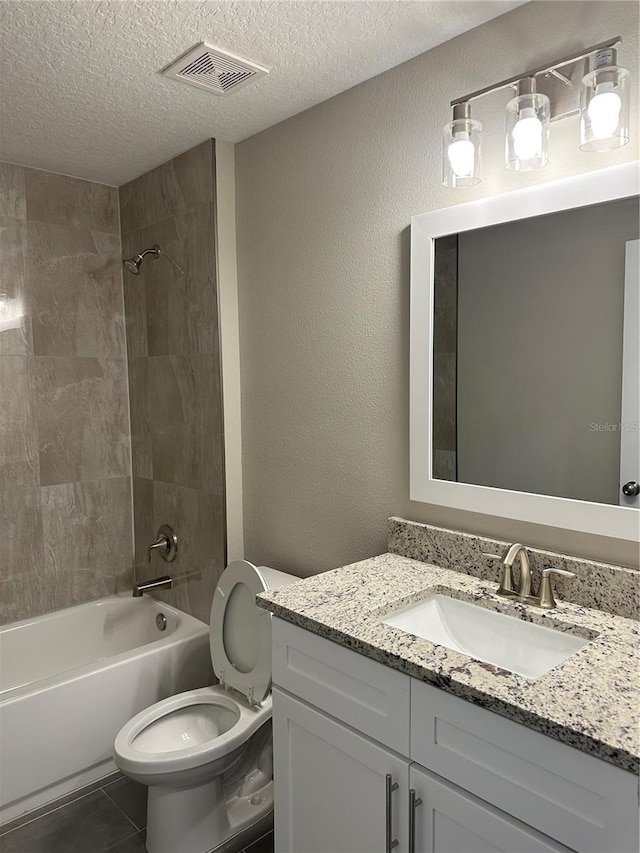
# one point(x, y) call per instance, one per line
point(240, 632)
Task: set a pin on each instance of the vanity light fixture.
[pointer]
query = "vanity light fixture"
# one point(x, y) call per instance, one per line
point(603, 103)
point(461, 150)
point(527, 134)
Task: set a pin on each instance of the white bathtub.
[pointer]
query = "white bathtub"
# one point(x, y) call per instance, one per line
point(70, 679)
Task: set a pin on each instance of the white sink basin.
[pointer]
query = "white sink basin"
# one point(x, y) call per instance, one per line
point(505, 641)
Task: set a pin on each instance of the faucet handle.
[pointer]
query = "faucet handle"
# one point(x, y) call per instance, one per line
point(166, 543)
point(506, 587)
point(547, 600)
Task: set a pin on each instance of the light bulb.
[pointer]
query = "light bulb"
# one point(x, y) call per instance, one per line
point(527, 135)
point(604, 111)
point(461, 154)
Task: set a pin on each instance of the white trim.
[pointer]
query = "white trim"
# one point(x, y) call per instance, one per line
point(229, 345)
point(591, 188)
point(630, 409)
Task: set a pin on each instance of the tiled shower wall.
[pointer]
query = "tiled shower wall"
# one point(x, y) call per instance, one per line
point(65, 497)
point(174, 374)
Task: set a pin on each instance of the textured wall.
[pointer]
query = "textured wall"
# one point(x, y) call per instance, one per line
point(324, 202)
point(174, 375)
point(65, 492)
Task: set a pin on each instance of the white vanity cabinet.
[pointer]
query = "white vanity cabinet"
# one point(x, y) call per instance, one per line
point(332, 785)
point(448, 820)
point(347, 730)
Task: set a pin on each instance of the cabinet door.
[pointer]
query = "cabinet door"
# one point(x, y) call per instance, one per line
point(450, 821)
point(330, 785)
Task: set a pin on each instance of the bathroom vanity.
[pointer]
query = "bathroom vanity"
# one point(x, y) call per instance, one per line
point(387, 741)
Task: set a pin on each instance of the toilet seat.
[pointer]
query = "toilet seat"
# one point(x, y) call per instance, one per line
point(240, 634)
point(141, 744)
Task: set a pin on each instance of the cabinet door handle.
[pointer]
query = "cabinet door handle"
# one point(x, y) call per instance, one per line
point(414, 802)
point(391, 786)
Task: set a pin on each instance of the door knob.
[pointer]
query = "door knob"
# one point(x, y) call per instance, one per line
point(631, 489)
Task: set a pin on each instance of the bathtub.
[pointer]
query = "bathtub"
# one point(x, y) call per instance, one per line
point(70, 679)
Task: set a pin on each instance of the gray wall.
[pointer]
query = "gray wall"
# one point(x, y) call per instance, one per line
point(65, 492)
point(540, 313)
point(324, 202)
point(174, 375)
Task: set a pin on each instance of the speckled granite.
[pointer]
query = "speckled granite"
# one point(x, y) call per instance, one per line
point(597, 585)
point(591, 701)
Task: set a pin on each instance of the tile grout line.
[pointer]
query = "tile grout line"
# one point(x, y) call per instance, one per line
point(122, 840)
point(137, 828)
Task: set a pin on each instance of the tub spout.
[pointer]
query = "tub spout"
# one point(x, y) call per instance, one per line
point(165, 582)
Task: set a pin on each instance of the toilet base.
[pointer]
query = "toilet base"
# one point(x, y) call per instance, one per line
point(198, 819)
point(191, 820)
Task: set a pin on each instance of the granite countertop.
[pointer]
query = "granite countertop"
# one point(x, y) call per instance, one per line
point(590, 702)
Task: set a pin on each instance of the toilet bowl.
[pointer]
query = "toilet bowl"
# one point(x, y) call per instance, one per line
point(205, 755)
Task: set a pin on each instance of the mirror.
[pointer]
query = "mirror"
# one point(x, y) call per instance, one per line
point(524, 345)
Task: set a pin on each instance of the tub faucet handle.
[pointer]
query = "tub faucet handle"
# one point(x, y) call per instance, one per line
point(166, 544)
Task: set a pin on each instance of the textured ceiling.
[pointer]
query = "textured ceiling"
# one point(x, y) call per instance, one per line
point(80, 91)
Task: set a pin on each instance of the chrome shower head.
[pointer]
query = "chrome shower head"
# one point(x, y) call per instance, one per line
point(132, 265)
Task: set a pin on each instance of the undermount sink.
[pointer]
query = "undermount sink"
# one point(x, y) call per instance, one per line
point(505, 641)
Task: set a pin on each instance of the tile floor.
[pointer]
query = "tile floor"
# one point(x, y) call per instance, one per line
point(111, 818)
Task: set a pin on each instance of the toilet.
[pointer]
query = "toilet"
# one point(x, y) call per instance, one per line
point(206, 755)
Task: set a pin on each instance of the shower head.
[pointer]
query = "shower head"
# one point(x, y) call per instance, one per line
point(132, 265)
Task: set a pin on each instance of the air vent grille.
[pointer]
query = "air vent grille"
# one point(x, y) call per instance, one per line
point(214, 69)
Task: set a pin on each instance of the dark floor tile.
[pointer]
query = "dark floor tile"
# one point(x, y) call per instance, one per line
point(131, 798)
point(92, 824)
point(263, 845)
point(56, 804)
point(135, 844)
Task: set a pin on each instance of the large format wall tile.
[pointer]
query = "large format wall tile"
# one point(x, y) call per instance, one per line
point(75, 291)
point(135, 308)
point(14, 323)
point(198, 520)
point(174, 375)
point(180, 296)
point(186, 437)
point(21, 525)
point(63, 395)
point(12, 193)
point(87, 537)
point(174, 187)
point(176, 420)
point(141, 447)
point(83, 423)
point(18, 437)
point(21, 554)
point(62, 200)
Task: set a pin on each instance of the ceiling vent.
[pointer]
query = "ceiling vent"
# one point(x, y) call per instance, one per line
point(214, 69)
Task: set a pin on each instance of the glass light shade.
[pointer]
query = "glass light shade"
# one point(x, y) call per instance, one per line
point(604, 109)
point(461, 153)
point(527, 132)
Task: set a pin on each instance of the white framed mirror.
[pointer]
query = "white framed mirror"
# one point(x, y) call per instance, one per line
point(524, 354)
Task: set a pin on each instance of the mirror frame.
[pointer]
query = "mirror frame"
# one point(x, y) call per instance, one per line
point(585, 516)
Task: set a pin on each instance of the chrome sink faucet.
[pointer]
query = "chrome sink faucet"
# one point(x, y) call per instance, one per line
point(545, 598)
point(508, 557)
